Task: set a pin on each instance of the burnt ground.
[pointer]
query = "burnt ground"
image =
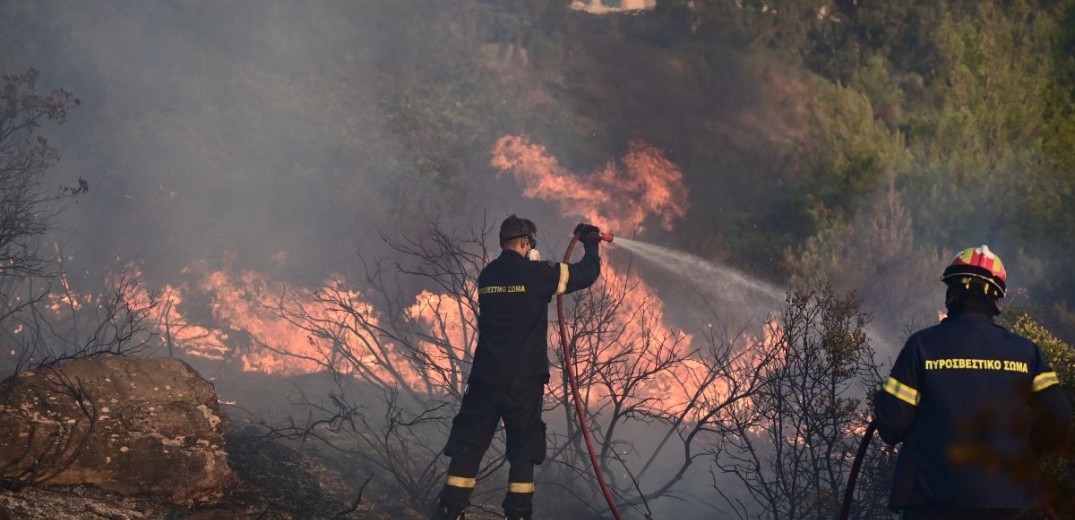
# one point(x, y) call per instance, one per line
point(276, 482)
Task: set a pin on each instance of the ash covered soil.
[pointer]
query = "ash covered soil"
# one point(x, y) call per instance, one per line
point(276, 482)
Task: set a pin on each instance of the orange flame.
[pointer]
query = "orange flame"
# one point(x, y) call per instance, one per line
point(641, 346)
point(266, 327)
point(618, 196)
point(197, 340)
point(638, 359)
point(451, 335)
point(176, 330)
point(269, 327)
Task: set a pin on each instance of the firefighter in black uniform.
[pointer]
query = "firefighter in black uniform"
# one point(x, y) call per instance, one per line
point(511, 366)
point(968, 400)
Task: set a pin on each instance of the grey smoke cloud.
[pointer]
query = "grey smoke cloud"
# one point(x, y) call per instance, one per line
point(240, 129)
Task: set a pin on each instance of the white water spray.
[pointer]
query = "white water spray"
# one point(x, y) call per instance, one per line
point(727, 283)
point(730, 284)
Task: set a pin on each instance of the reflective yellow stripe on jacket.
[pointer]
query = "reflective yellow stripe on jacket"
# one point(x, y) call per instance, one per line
point(1045, 380)
point(565, 275)
point(901, 391)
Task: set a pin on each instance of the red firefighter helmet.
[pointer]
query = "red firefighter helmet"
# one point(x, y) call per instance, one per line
point(977, 263)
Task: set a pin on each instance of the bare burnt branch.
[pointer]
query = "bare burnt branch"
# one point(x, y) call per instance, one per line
point(357, 501)
point(27, 208)
point(791, 444)
point(393, 442)
point(621, 348)
point(17, 330)
point(52, 324)
point(450, 261)
point(121, 327)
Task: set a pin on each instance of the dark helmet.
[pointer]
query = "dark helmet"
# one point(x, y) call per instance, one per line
point(514, 227)
point(977, 267)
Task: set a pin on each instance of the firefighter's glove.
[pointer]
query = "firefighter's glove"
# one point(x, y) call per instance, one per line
point(588, 234)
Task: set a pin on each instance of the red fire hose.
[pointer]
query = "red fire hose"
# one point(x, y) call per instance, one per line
point(580, 409)
point(852, 478)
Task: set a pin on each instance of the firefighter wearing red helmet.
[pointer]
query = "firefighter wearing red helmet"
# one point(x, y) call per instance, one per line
point(972, 403)
point(511, 365)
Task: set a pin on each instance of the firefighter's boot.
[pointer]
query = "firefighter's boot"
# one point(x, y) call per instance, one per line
point(445, 511)
point(519, 506)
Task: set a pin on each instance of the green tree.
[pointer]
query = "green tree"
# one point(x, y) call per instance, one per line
point(985, 135)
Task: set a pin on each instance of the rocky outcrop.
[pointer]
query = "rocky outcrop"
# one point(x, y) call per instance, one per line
point(126, 425)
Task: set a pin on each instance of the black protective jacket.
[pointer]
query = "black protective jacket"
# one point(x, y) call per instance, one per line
point(513, 314)
point(966, 398)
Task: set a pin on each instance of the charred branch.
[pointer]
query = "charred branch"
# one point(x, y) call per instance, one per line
point(27, 208)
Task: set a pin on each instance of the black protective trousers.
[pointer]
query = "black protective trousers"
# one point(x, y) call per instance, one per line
point(484, 406)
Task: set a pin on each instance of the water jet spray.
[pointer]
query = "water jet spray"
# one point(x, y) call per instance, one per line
point(719, 279)
point(731, 284)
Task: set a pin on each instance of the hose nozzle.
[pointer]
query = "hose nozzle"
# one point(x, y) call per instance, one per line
point(607, 237)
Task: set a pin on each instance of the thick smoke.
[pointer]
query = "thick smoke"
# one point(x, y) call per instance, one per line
point(240, 131)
